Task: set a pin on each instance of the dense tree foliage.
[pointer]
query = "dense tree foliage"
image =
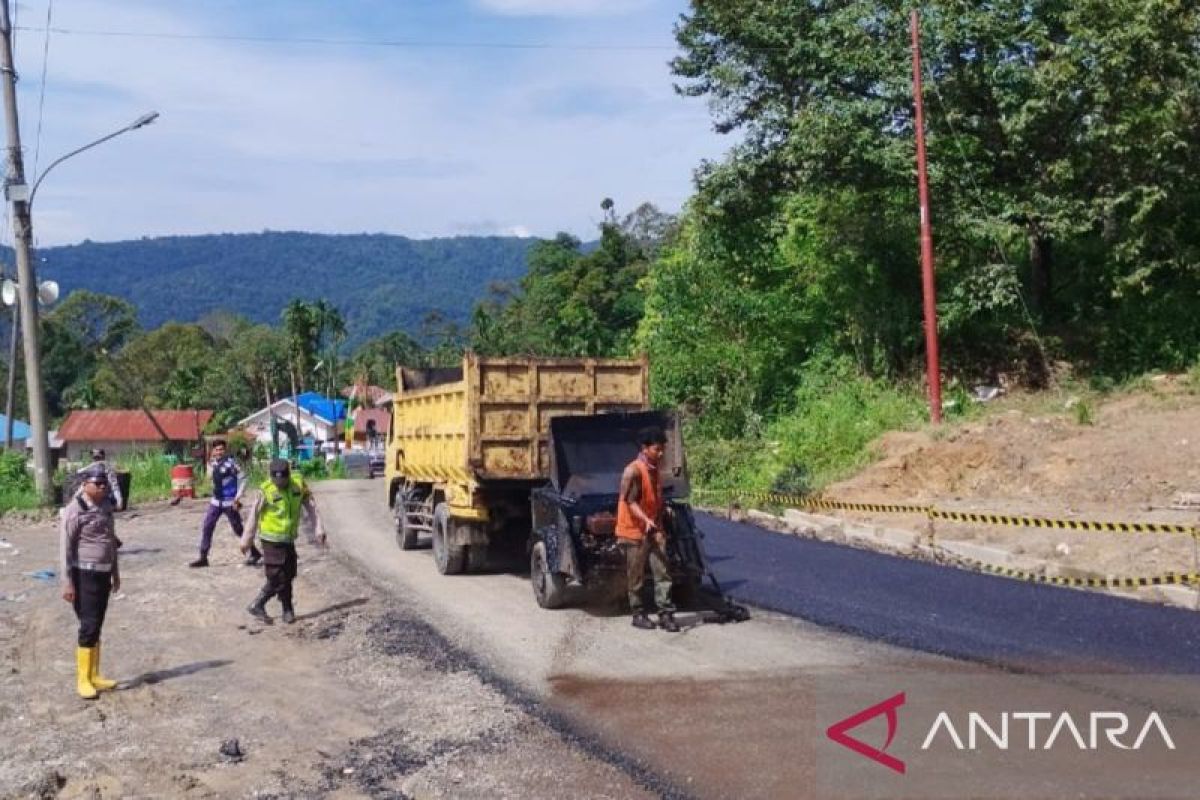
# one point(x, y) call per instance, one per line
point(1064, 145)
point(572, 302)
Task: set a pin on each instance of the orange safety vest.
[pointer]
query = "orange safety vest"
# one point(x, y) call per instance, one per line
point(629, 526)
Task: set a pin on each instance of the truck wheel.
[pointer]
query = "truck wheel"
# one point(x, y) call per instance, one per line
point(477, 558)
point(450, 559)
point(406, 536)
point(549, 588)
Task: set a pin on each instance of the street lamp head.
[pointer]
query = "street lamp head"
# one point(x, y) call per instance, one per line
point(143, 120)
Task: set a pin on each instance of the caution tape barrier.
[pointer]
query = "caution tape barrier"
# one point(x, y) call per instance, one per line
point(1166, 579)
point(970, 517)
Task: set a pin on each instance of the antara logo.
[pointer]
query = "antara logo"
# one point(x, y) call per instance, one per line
point(1113, 724)
point(1101, 729)
point(837, 732)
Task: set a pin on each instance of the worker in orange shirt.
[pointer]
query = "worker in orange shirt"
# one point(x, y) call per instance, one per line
point(640, 534)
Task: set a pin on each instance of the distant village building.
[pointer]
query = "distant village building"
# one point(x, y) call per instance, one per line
point(371, 423)
point(317, 416)
point(122, 432)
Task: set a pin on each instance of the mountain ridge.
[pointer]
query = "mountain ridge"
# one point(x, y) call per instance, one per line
point(380, 282)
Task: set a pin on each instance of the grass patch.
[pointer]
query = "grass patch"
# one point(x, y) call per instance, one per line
point(825, 436)
point(16, 483)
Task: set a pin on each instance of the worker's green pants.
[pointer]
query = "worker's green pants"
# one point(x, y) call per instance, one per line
point(637, 556)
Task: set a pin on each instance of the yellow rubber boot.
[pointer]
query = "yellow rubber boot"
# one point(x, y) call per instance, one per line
point(98, 683)
point(83, 672)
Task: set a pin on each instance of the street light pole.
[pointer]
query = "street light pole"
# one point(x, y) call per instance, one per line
point(26, 311)
point(26, 284)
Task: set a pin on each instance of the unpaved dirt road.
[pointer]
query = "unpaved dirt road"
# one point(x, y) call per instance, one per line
point(360, 698)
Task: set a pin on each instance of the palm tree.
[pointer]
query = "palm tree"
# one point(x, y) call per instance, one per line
point(302, 324)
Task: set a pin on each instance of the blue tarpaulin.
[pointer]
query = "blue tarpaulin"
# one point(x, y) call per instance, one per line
point(322, 406)
point(21, 431)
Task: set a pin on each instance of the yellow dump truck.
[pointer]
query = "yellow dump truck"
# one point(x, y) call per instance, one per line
point(468, 444)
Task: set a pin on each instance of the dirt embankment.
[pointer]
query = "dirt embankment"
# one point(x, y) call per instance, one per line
point(360, 698)
point(1138, 455)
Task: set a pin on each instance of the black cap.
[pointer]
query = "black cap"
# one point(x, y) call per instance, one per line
point(280, 468)
point(94, 473)
point(97, 454)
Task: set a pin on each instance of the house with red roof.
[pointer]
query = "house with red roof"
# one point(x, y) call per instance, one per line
point(123, 431)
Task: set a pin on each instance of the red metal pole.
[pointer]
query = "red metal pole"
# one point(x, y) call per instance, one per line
point(932, 366)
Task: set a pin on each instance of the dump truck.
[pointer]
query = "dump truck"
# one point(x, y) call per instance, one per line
point(468, 444)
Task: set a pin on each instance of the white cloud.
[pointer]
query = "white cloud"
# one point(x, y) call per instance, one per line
point(343, 139)
point(563, 8)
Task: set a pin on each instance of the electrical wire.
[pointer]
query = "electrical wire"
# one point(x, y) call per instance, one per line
point(398, 43)
point(37, 139)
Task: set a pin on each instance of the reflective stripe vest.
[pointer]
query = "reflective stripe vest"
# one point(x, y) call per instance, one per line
point(279, 518)
point(629, 526)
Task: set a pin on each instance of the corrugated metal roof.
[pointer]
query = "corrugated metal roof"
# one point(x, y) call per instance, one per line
point(382, 417)
point(132, 426)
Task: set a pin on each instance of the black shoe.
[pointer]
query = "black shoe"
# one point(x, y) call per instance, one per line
point(666, 621)
point(258, 608)
point(252, 560)
point(202, 561)
point(640, 620)
point(289, 616)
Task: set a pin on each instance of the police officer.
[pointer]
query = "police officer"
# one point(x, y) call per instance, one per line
point(114, 486)
point(90, 573)
point(229, 482)
point(275, 517)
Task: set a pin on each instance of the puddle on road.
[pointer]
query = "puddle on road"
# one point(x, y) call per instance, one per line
point(714, 739)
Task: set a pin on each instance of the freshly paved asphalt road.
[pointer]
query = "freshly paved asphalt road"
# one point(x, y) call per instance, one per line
point(949, 611)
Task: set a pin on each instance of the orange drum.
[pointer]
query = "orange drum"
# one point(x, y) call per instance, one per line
point(183, 481)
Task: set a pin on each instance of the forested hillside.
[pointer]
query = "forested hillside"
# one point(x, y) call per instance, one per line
point(380, 283)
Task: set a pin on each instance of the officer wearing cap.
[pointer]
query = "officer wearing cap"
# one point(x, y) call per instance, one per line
point(90, 573)
point(114, 486)
point(275, 517)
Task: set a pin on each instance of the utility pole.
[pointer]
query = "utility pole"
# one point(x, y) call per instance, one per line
point(15, 332)
point(18, 195)
point(933, 373)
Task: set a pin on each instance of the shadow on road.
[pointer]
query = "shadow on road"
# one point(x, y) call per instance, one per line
point(358, 601)
point(158, 676)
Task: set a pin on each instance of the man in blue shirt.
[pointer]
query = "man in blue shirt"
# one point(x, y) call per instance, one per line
point(229, 482)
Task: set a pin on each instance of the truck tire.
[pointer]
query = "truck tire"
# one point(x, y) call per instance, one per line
point(549, 588)
point(450, 559)
point(406, 537)
point(477, 558)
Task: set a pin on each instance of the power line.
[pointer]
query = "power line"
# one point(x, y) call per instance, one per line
point(37, 139)
point(396, 43)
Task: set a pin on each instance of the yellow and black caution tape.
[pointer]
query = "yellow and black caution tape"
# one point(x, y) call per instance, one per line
point(1060, 524)
point(802, 501)
point(1166, 579)
point(972, 517)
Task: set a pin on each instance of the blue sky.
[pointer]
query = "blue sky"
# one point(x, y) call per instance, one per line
point(346, 138)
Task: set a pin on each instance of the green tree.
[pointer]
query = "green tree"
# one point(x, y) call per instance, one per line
point(302, 326)
point(169, 367)
point(571, 302)
point(376, 360)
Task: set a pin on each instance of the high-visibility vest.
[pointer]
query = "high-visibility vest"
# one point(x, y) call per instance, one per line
point(279, 518)
point(629, 526)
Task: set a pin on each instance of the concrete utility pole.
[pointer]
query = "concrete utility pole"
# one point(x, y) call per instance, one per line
point(9, 410)
point(18, 194)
